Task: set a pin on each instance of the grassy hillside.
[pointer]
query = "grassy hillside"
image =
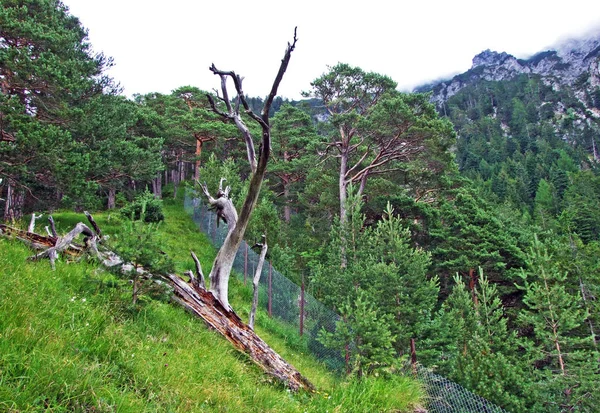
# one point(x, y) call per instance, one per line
point(70, 340)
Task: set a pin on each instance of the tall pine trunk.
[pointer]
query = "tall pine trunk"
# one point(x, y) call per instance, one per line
point(112, 195)
point(15, 199)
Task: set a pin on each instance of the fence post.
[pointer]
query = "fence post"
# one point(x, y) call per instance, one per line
point(302, 307)
point(413, 355)
point(270, 290)
point(214, 233)
point(245, 263)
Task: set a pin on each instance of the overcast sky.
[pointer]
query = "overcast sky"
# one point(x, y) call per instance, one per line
point(161, 45)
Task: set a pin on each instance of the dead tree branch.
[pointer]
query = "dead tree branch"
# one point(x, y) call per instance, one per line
point(65, 242)
point(261, 260)
point(197, 281)
point(31, 227)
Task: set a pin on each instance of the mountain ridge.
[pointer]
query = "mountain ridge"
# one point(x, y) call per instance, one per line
point(566, 63)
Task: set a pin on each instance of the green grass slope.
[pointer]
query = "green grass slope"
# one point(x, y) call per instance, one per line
point(71, 341)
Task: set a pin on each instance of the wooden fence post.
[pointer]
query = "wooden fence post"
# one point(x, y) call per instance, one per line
point(245, 263)
point(270, 290)
point(302, 306)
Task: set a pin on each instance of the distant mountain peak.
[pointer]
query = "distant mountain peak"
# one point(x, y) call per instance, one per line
point(561, 65)
point(490, 58)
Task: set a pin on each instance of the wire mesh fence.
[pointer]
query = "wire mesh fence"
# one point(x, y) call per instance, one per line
point(285, 300)
point(445, 396)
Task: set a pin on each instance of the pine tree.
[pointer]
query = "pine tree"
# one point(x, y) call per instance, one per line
point(478, 349)
point(556, 315)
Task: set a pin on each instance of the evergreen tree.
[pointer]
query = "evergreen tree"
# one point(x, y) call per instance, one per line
point(47, 70)
point(469, 235)
point(382, 267)
point(555, 313)
point(475, 347)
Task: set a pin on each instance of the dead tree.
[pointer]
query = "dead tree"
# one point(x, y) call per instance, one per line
point(232, 111)
point(213, 305)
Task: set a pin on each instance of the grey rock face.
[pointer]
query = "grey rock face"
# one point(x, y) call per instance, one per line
point(564, 65)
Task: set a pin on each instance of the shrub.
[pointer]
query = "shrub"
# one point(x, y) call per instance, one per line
point(145, 205)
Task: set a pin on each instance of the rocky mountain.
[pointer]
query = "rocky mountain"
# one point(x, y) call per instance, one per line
point(575, 62)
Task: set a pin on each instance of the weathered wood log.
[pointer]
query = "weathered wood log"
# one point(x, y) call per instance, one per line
point(34, 240)
point(93, 223)
point(204, 305)
point(64, 243)
point(53, 226)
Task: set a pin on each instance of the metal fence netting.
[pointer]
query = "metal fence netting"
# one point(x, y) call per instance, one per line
point(288, 302)
point(445, 396)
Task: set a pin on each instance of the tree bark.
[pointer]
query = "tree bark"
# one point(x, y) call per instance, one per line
point(64, 242)
point(343, 188)
point(34, 217)
point(157, 186)
point(112, 195)
point(198, 153)
point(13, 205)
point(287, 208)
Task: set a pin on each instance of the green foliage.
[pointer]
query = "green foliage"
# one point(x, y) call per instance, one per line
point(117, 153)
point(138, 243)
point(363, 334)
point(382, 269)
point(144, 207)
point(476, 348)
point(556, 314)
point(48, 72)
point(471, 234)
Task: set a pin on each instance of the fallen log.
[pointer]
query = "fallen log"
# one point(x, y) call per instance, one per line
point(36, 241)
point(203, 304)
point(64, 243)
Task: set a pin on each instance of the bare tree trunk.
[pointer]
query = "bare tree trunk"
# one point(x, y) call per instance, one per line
point(181, 166)
point(256, 279)
point(175, 179)
point(198, 154)
point(343, 188)
point(13, 205)
point(112, 195)
point(52, 226)
point(157, 186)
point(287, 208)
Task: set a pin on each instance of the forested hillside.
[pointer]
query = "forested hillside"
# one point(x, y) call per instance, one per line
point(463, 218)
